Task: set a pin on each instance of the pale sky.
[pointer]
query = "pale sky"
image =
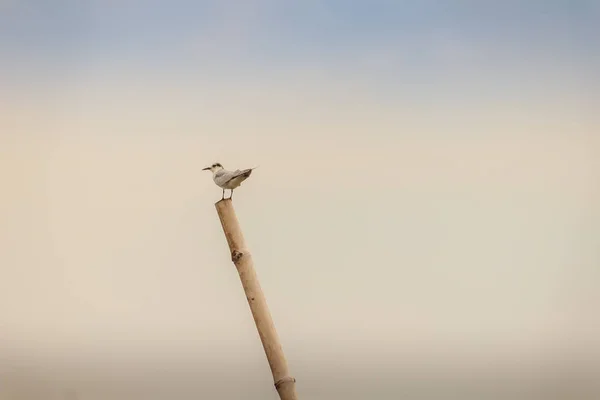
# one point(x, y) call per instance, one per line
point(427, 193)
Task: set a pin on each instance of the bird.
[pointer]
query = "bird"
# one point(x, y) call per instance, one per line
point(228, 179)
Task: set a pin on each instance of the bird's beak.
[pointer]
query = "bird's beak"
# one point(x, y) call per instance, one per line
point(206, 169)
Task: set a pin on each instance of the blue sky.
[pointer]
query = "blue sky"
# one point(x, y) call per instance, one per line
point(278, 34)
point(517, 51)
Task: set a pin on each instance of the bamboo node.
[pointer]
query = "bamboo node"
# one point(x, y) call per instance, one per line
point(283, 380)
point(236, 255)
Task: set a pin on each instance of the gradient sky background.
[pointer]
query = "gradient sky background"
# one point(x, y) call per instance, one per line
point(428, 184)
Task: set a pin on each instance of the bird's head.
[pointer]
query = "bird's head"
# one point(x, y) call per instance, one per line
point(213, 168)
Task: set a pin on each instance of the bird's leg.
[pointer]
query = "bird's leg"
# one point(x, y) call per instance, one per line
point(231, 194)
point(223, 197)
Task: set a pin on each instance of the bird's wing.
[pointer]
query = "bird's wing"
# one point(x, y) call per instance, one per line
point(237, 173)
point(223, 176)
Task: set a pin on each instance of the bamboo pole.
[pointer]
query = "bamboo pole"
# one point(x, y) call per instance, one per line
point(242, 259)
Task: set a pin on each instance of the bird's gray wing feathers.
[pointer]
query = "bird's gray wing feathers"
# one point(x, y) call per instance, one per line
point(234, 174)
point(222, 176)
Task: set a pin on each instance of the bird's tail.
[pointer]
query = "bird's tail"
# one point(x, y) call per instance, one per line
point(248, 171)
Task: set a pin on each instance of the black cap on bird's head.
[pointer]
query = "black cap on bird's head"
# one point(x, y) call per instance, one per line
point(213, 167)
